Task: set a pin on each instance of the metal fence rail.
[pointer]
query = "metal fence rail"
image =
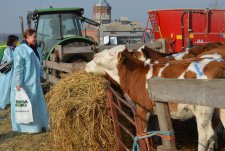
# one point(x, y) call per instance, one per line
point(121, 108)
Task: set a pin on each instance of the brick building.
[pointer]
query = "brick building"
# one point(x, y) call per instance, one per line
point(120, 31)
point(102, 12)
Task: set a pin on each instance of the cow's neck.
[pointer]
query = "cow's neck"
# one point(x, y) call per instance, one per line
point(113, 74)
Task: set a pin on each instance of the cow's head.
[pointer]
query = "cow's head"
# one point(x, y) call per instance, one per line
point(106, 62)
point(108, 58)
point(94, 68)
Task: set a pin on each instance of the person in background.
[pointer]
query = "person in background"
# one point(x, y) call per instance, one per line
point(27, 75)
point(6, 77)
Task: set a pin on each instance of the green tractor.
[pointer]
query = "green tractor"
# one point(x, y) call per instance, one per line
point(59, 26)
point(62, 27)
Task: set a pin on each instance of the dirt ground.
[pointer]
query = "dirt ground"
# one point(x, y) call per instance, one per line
point(12, 141)
point(187, 137)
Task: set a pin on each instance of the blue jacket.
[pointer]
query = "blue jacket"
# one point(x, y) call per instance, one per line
point(6, 79)
point(27, 74)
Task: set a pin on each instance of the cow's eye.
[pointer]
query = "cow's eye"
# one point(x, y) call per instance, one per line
point(111, 54)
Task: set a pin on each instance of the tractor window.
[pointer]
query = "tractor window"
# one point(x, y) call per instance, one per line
point(48, 31)
point(71, 25)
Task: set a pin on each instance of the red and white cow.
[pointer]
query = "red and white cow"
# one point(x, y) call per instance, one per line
point(131, 74)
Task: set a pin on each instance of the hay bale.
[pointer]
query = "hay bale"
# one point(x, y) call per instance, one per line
point(79, 114)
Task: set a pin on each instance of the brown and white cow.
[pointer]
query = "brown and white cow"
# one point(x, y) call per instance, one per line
point(130, 72)
point(155, 56)
point(197, 50)
point(215, 53)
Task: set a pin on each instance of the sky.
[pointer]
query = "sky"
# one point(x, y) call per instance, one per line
point(135, 10)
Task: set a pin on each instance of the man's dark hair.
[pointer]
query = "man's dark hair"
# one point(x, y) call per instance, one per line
point(11, 40)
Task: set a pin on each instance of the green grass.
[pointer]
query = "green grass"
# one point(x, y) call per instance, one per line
point(2, 48)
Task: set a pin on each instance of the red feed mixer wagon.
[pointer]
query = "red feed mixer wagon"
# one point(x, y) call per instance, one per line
point(183, 28)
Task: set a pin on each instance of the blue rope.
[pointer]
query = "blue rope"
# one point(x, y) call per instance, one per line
point(136, 145)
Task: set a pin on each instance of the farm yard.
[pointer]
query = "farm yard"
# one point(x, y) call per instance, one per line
point(12, 141)
point(73, 83)
point(185, 132)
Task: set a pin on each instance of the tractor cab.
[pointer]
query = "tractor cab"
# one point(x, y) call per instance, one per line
point(58, 26)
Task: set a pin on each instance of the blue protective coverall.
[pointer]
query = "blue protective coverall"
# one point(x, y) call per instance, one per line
point(27, 74)
point(6, 78)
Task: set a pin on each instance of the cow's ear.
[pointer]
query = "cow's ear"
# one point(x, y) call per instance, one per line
point(120, 57)
point(145, 52)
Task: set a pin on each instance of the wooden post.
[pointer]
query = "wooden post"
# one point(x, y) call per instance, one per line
point(60, 52)
point(53, 57)
point(188, 91)
point(165, 124)
point(140, 131)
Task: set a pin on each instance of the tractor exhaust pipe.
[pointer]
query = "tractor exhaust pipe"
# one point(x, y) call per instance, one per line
point(21, 25)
